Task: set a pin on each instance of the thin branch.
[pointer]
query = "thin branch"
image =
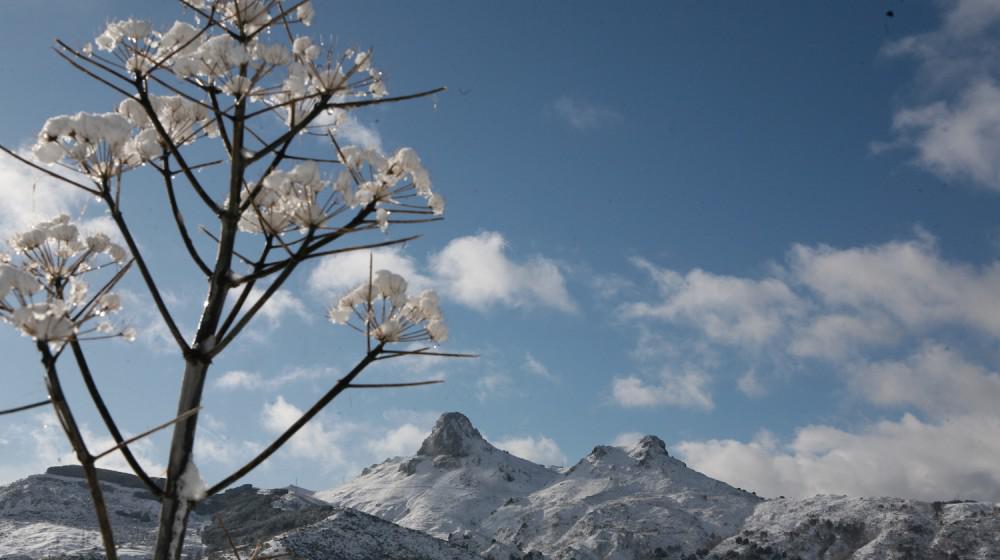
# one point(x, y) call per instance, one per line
point(48, 172)
point(25, 407)
point(271, 268)
point(381, 100)
point(161, 306)
point(90, 73)
point(149, 432)
point(213, 237)
point(394, 385)
point(338, 388)
point(168, 182)
point(75, 437)
point(173, 148)
point(229, 538)
point(423, 352)
point(109, 421)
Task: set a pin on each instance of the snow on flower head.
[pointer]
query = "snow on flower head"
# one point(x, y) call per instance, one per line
point(96, 142)
point(288, 200)
point(388, 314)
point(125, 30)
point(390, 180)
point(42, 290)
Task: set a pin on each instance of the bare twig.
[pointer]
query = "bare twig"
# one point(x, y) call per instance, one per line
point(75, 437)
point(109, 421)
point(25, 407)
point(148, 432)
point(48, 172)
point(229, 538)
point(338, 388)
point(394, 385)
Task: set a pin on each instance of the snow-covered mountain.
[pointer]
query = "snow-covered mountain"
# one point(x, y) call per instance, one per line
point(614, 503)
point(50, 516)
point(455, 482)
point(460, 498)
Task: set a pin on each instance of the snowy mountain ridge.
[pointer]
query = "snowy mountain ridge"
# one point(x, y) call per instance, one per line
point(461, 498)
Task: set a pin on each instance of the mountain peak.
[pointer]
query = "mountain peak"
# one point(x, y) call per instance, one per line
point(649, 446)
point(453, 434)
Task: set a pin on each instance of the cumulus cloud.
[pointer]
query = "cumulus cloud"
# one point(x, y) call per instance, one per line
point(335, 275)
point(854, 308)
point(954, 458)
point(401, 441)
point(251, 381)
point(476, 271)
point(28, 196)
point(727, 308)
point(492, 385)
point(909, 281)
point(280, 304)
point(627, 439)
point(473, 270)
point(536, 367)
point(315, 441)
point(934, 380)
point(540, 449)
point(686, 389)
point(41, 443)
point(954, 128)
point(750, 385)
point(583, 115)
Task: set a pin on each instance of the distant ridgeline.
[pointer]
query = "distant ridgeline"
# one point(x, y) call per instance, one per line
point(104, 475)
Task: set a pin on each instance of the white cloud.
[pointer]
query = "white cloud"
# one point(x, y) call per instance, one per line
point(337, 274)
point(627, 439)
point(749, 384)
point(583, 115)
point(907, 280)
point(536, 367)
point(935, 380)
point(476, 271)
point(957, 140)
point(41, 443)
point(401, 441)
point(541, 450)
point(687, 389)
point(955, 129)
point(315, 441)
point(252, 381)
point(836, 335)
point(28, 196)
point(237, 379)
point(955, 458)
point(491, 385)
point(726, 308)
point(280, 304)
point(350, 131)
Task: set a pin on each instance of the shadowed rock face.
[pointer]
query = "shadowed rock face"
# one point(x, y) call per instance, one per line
point(452, 435)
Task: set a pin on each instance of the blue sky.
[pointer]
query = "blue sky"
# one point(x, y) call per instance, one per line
point(765, 232)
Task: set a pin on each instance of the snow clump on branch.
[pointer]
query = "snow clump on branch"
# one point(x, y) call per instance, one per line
point(387, 314)
point(42, 291)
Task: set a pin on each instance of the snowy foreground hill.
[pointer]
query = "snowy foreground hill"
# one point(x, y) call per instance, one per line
point(460, 498)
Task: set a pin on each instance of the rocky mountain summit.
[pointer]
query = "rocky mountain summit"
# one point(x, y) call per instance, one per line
point(461, 498)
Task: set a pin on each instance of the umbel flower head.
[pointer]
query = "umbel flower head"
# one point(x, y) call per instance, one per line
point(387, 314)
point(43, 292)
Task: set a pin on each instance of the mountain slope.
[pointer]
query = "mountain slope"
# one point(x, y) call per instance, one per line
point(455, 481)
point(615, 503)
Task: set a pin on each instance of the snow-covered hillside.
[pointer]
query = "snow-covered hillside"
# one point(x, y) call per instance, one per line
point(50, 516)
point(454, 482)
point(616, 503)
